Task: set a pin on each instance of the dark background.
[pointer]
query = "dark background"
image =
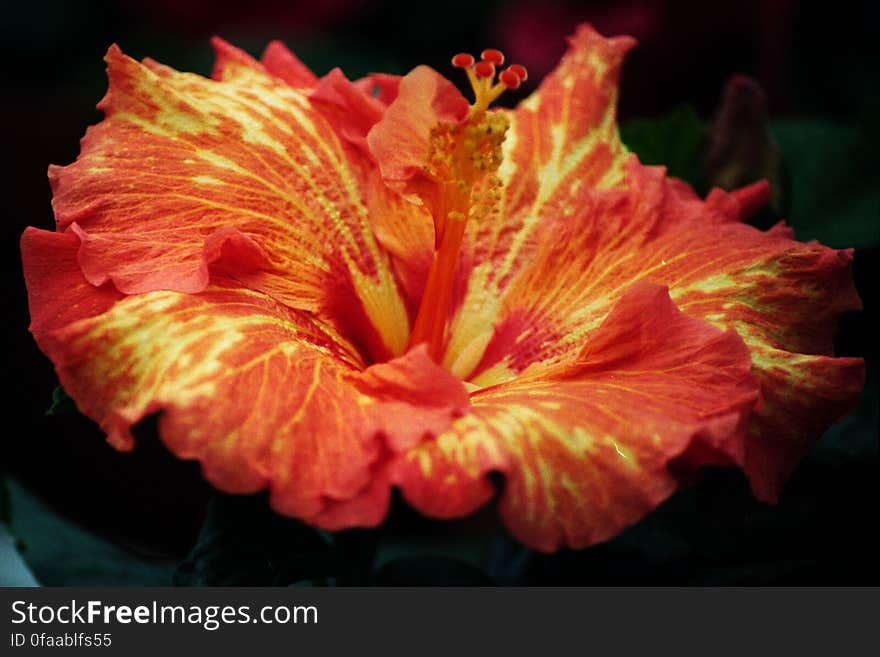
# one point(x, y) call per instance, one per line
point(817, 63)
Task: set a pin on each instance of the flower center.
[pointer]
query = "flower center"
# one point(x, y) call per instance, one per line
point(462, 164)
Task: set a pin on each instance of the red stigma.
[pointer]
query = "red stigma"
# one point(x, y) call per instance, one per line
point(484, 69)
point(492, 55)
point(519, 71)
point(510, 79)
point(463, 60)
point(481, 75)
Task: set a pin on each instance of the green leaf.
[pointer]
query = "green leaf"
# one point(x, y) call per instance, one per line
point(833, 172)
point(674, 140)
point(61, 403)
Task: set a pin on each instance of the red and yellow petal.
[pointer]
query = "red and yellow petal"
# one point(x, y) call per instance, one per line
point(782, 297)
point(586, 448)
point(563, 139)
point(562, 144)
point(180, 162)
point(264, 396)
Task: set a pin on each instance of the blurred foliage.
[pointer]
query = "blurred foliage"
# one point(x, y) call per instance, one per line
point(5, 503)
point(13, 569)
point(674, 140)
point(61, 403)
point(61, 553)
point(245, 542)
point(834, 175)
point(831, 186)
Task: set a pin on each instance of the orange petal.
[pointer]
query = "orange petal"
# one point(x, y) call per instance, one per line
point(383, 86)
point(233, 64)
point(586, 448)
point(262, 395)
point(417, 398)
point(349, 108)
point(282, 63)
point(803, 395)
point(58, 293)
point(406, 231)
point(181, 162)
point(400, 142)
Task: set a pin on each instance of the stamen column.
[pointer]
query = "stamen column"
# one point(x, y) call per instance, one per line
point(462, 157)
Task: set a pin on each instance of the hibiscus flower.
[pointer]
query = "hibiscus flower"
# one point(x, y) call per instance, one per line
point(328, 289)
